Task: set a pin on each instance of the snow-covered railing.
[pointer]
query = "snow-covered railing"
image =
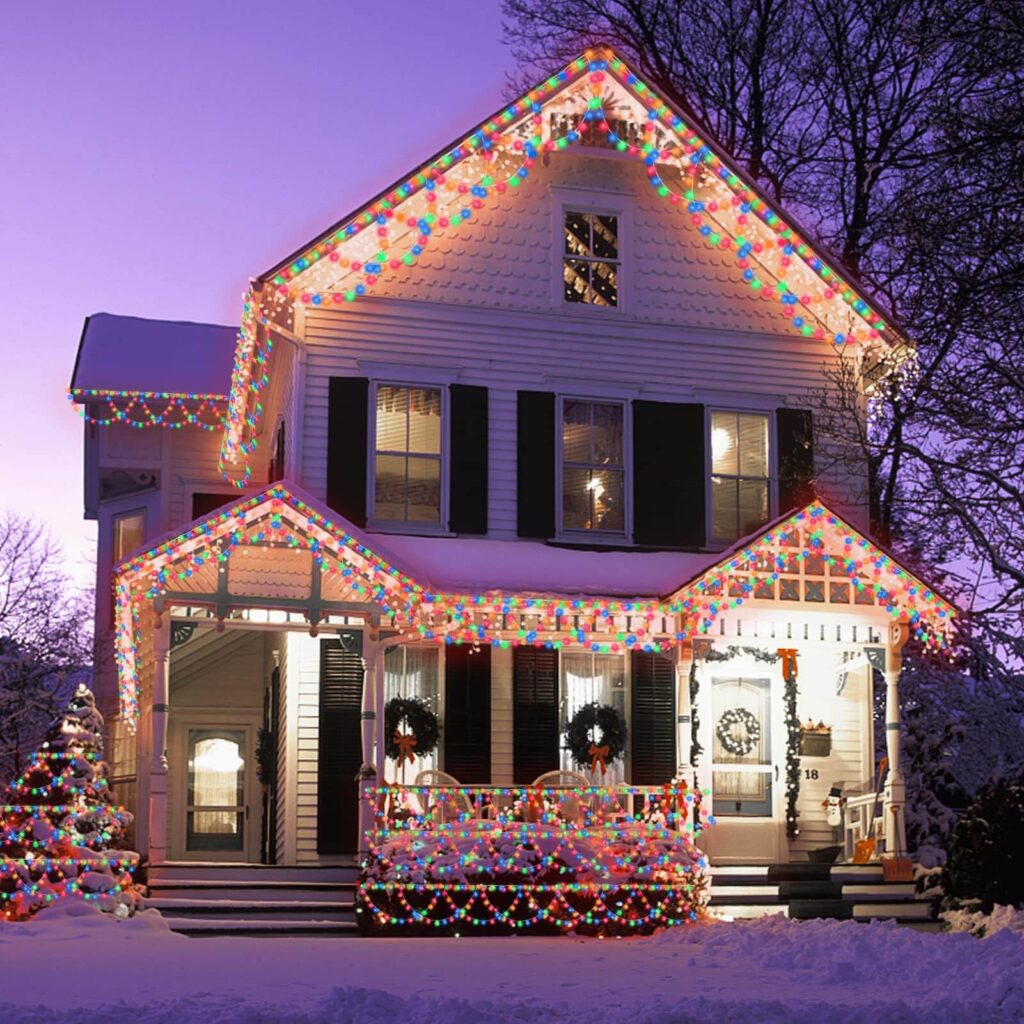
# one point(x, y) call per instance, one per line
point(601, 859)
point(674, 807)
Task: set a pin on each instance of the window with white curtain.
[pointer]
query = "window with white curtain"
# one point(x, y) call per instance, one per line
point(407, 455)
point(414, 672)
point(586, 678)
point(740, 476)
point(593, 466)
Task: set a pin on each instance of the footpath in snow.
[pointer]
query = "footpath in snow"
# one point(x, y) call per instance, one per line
point(72, 964)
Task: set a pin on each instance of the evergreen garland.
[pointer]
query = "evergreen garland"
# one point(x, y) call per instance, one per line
point(792, 751)
point(596, 718)
point(422, 723)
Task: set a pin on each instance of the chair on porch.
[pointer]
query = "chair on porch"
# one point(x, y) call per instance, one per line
point(571, 804)
point(453, 806)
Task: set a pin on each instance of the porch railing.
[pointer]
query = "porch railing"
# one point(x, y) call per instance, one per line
point(604, 859)
point(448, 808)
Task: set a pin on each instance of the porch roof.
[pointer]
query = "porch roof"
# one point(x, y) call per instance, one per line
point(479, 591)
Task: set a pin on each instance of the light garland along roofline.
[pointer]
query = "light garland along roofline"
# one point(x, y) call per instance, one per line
point(697, 152)
point(298, 521)
point(132, 408)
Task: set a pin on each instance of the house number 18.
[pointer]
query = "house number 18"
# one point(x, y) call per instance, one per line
point(810, 773)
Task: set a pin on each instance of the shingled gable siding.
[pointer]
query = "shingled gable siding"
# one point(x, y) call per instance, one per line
point(478, 304)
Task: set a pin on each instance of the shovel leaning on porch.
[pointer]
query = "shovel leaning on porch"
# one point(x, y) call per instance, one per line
point(865, 848)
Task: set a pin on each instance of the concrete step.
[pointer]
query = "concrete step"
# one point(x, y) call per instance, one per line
point(226, 871)
point(249, 891)
point(242, 927)
point(284, 910)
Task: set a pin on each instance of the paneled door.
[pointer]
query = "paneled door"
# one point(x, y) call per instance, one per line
point(743, 713)
point(217, 800)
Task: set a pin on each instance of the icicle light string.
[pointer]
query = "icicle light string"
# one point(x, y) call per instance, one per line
point(278, 518)
point(804, 286)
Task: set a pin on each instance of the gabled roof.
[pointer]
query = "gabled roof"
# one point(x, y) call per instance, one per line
point(688, 169)
point(129, 353)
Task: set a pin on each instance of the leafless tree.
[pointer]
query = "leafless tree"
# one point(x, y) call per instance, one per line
point(895, 130)
point(45, 636)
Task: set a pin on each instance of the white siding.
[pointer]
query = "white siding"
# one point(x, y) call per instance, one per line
point(502, 772)
point(482, 306)
point(849, 764)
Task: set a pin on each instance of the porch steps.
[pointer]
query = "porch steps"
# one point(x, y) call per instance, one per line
point(208, 899)
point(856, 892)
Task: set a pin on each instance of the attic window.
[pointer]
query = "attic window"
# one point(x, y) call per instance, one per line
point(590, 263)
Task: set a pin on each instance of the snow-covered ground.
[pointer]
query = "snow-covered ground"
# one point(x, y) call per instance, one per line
point(72, 964)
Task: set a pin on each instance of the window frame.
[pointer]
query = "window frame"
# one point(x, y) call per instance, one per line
point(614, 204)
point(438, 651)
point(627, 686)
point(562, 532)
point(712, 542)
point(444, 457)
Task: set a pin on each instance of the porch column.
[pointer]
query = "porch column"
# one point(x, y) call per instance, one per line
point(368, 776)
point(158, 744)
point(684, 734)
point(895, 795)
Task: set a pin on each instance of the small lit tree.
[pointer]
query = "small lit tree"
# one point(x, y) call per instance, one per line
point(60, 832)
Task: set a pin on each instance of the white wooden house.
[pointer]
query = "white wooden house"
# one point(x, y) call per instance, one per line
point(531, 428)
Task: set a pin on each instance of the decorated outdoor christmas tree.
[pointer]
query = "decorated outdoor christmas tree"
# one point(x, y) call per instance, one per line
point(60, 832)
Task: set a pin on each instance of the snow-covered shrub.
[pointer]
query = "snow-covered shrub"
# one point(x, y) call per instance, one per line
point(986, 855)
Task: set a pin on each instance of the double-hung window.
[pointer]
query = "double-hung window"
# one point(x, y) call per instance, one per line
point(740, 475)
point(590, 261)
point(407, 455)
point(589, 678)
point(413, 673)
point(593, 466)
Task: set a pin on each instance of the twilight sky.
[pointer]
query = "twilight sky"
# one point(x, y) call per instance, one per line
point(153, 157)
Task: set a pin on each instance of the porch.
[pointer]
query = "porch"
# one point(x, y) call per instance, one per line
point(709, 690)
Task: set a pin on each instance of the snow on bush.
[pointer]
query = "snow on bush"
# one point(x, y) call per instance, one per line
point(982, 925)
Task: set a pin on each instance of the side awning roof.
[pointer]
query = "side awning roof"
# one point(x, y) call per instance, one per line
point(128, 353)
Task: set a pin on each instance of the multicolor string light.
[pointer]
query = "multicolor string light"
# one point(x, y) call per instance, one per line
point(725, 208)
point(278, 518)
point(566, 857)
point(142, 409)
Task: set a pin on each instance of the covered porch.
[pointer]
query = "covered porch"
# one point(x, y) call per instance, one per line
point(335, 628)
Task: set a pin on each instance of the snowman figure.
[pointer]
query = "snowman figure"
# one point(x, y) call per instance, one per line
point(833, 804)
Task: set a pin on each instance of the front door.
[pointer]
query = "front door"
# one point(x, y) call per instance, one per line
point(745, 772)
point(217, 812)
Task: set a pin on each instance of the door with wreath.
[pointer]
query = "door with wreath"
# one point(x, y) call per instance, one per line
point(746, 783)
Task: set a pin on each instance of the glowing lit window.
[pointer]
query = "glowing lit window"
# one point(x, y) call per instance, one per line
point(216, 790)
point(590, 264)
point(407, 455)
point(129, 533)
point(740, 491)
point(412, 672)
point(593, 466)
point(588, 678)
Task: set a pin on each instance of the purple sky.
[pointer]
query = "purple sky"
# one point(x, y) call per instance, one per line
point(155, 156)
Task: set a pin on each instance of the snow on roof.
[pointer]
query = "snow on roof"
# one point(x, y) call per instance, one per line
point(129, 353)
point(470, 565)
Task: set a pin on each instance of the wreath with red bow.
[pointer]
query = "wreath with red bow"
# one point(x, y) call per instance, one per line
point(596, 736)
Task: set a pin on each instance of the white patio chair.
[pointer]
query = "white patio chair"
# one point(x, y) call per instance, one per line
point(454, 804)
point(571, 804)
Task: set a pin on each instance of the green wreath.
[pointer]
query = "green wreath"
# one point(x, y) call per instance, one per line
point(739, 746)
point(582, 733)
point(421, 725)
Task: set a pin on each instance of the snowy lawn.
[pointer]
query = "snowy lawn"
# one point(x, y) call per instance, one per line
point(72, 964)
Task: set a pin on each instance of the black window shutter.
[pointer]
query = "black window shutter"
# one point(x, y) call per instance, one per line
point(653, 731)
point(467, 713)
point(346, 447)
point(668, 474)
point(794, 430)
point(339, 744)
point(535, 464)
point(468, 474)
point(534, 713)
